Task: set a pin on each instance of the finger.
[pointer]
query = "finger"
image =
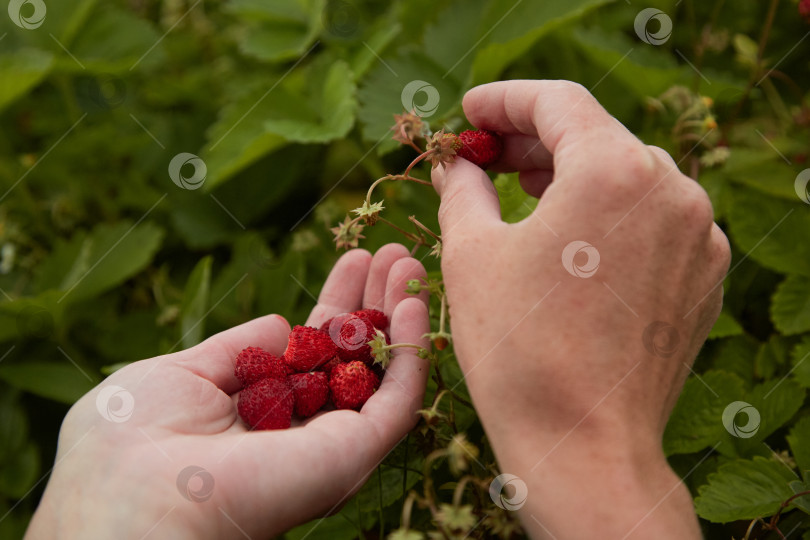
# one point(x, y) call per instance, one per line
point(214, 359)
point(343, 290)
point(393, 407)
point(561, 114)
point(535, 182)
point(468, 198)
point(522, 153)
point(401, 272)
point(384, 258)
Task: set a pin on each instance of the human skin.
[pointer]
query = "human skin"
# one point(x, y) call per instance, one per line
point(119, 479)
point(572, 401)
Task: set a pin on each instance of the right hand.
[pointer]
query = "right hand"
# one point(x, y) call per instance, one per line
point(555, 363)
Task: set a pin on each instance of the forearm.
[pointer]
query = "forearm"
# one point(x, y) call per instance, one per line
point(583, 488)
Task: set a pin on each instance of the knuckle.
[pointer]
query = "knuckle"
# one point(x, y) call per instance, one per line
point(695, 206)
point(574, 88)
point(638, 172)
point(661, 154)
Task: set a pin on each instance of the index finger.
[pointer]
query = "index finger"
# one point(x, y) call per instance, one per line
point(560, 115)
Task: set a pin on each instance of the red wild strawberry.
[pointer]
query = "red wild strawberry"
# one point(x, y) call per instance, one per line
point(804, 9)
point(325, 326)
point(350, 385)
point(254, 364)
point(351, 334)
point(310, 390)
point(481, 147)
point(374, 316)
point(308, 348)
point(267, 404)
point(327, 367)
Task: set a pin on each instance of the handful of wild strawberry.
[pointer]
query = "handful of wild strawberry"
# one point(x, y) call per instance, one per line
point(322, 368)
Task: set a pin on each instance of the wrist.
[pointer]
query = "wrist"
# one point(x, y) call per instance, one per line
point(628, 488)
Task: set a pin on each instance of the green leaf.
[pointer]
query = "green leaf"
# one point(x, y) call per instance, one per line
point(326, 114)
point(381, 95)
point(696, 420)
point(127, 40)
point(278, 287)
point(19, 473)
point(765, 228)
point(238, 138)
point(20, 72)
point(516, 204)
point(645, 71)
point(195, 304)
point(36, 318)
point(523, 24)
point(737, 355)
point(13, 427)
point(790, 306)
point(800, 362)
point(456, 35)
point(369, 497)
point(770, 357)
point(725, 326)
point(799, 440)
point(762, 170)
point(60, 381)
point(334, 527)
point(744, 489)
point(777, 401)
point(279, 30)
point(108, 256)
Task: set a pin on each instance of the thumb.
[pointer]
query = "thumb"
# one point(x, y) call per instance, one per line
point(468, 198)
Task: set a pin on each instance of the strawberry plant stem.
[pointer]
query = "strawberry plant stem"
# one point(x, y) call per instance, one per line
point(416, 160)
point(442, 313)
point(408, 235)
point(424, 228)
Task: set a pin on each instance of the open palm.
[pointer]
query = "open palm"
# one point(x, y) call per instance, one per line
point(158, 450)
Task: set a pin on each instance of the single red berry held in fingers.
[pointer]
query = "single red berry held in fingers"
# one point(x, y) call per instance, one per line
point(267, 404)
point(254, 364)
point(308, 348)
point(310, 390)
point(481, 147)
point(351, 384)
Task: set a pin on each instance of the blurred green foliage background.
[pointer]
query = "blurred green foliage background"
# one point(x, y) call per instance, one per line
point(288, 103)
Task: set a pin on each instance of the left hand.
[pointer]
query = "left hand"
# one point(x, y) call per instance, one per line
point(123, 479)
